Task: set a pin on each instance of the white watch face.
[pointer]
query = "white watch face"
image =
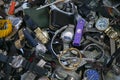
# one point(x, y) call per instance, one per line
point(67, 36)
point(102, 24)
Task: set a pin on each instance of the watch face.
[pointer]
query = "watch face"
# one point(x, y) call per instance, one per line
point(92, 74)
point(67, 36)
point(102, 24)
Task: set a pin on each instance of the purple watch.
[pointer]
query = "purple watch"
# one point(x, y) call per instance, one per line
point(78, 32)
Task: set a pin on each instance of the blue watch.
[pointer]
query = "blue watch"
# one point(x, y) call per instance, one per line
point(92, 74)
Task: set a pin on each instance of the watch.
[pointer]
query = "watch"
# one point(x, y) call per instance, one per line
point(92, 74)
point(102, 24)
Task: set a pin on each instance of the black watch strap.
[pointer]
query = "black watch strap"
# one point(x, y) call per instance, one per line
point(5, 59)
point(34, 68)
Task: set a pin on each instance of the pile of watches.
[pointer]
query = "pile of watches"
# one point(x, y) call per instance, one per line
point(80, 40)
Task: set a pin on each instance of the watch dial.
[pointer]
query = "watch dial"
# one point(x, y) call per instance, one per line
point(102, 24)
point(92, 74)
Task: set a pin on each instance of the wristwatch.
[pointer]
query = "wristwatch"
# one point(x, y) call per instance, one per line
point(19, 61)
